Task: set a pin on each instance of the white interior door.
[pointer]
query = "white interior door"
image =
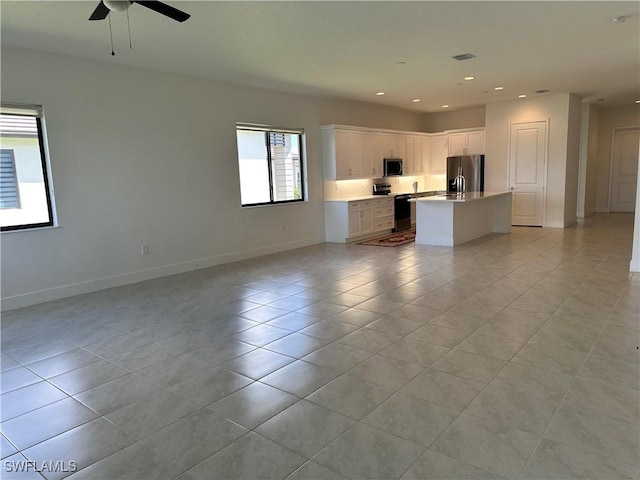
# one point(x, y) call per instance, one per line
point(527, 161)
point(624, 175)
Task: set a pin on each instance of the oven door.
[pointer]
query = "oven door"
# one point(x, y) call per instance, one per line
point(401, 213)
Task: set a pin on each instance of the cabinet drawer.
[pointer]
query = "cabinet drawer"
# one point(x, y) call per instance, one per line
point(383, 211)
point(379, 202)
point(359, 204)
point(383, 223)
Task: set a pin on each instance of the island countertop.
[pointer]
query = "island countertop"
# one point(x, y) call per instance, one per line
point(457, 198)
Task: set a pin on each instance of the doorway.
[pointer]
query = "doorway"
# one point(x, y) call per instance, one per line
point(624, 169)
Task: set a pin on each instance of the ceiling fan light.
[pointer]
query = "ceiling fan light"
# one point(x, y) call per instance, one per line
point(117, 5)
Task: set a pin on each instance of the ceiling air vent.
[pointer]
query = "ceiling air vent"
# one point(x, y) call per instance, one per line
point(543, 91)
point(464, 56)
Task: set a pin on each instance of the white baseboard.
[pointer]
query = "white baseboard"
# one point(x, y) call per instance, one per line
point(63, 291)
point(561, 223)
point(554, 224)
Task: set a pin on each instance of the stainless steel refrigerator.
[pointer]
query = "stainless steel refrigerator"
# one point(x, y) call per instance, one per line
point(465, 173)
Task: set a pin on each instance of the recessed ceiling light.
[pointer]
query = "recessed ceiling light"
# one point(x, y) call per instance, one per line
point(637, 101)
point(499, 88)
point(415, 100)
point(469, 78)
point(522, 96)
point(379, 93)
point(619, 19)
point(445, 106)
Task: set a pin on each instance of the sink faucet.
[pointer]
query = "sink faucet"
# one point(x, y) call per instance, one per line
point(459, 181)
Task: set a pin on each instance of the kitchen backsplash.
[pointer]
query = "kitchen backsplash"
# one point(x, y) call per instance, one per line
point(345, 189)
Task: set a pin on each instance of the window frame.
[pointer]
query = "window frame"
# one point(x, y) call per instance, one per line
point(34, 111)
point(268, 130)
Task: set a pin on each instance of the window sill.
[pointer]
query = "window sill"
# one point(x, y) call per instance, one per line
point(35, 229)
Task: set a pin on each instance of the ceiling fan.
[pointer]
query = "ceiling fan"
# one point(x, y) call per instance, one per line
point(106, 6)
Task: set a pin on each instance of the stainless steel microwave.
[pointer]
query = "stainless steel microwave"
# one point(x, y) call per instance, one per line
point(392, 167)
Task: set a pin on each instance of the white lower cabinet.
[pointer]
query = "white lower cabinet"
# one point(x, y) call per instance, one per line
point(382, 214)
point(360, 218)
point(346, 221)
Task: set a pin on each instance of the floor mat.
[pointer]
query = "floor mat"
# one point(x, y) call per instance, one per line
point(392, 240)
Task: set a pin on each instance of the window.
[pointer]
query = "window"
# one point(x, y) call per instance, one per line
point(25, 192)
point(271, 165)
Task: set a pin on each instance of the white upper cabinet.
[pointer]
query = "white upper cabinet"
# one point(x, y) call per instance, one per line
point(475, 142)
point(352, 152)
point(408, 159)
point(439, 153)
point(466, 143)
point(371, 154)
point(389, 145)
point(394, 145)
point(425, 161)
point(418, 154)
point(457, 144)
point(354, 155)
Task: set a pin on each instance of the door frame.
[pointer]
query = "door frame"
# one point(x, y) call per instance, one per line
point(544, 167)
point(614, 132)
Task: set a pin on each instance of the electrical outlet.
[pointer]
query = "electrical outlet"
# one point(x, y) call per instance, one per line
point(145, 249)
point(282, 228)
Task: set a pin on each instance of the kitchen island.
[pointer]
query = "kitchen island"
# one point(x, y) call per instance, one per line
point(453, 219)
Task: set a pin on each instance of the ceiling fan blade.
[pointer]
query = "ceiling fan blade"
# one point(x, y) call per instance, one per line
point(100, 13)
point(164, 9)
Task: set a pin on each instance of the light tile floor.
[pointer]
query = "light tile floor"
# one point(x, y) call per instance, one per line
point(514, 356)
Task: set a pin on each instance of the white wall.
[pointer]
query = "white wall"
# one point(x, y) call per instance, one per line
point(146, 158)
point(573, 160)
point(555, 110)
point(454, 119)
point(591, 127)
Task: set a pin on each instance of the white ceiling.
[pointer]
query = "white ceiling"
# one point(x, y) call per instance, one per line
point(353, 49)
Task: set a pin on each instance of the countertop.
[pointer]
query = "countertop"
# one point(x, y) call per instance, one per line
point(391, 195)
point(454, 198)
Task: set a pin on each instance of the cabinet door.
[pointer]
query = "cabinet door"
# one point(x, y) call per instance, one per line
point(389, 145)
point(457, 144)
point(417, 154)
point(355, 154)
point(354, 223)
point(371, 160)
point(408, 158)
point(439, 153)
point(342, 154)
point(366, 220)
point(401, 152)
point(425, 166)
point(375, 139)
point(475, 142)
